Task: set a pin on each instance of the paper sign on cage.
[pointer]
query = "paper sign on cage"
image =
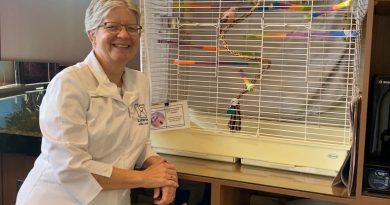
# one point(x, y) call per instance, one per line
point(170, 116)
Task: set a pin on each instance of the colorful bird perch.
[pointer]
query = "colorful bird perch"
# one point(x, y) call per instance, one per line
point(289, 6)
point(191, 62)
point(224, 4)
point(306, 34)
point(330, 9)
point(273, 5)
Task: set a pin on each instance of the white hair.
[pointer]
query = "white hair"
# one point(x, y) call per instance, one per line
point(99, 9)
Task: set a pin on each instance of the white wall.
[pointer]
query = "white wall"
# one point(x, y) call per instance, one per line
point(44, 31)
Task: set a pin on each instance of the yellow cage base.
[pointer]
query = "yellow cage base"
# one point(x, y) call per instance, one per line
point(314, 159)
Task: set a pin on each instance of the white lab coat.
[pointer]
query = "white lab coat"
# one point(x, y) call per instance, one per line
point(88, 127)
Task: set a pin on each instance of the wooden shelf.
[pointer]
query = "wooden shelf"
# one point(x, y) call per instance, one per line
point(230, 177)
point(374, 200)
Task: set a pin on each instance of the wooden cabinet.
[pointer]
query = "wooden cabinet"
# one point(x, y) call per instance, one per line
point(14, 167)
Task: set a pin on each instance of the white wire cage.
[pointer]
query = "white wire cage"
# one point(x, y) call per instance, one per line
point(283, 70)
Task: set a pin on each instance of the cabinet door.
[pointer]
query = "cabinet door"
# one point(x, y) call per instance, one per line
point(15, 166)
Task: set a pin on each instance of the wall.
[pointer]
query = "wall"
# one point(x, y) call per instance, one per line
point(44, 31)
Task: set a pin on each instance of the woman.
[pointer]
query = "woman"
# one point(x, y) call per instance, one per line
point(95, 123)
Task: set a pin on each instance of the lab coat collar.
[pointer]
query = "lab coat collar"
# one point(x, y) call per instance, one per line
point(108, 89)
point(130, 91)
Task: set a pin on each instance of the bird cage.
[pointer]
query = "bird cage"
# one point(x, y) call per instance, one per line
point(266, 82)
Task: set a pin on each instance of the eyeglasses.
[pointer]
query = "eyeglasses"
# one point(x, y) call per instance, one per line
point(115, 27)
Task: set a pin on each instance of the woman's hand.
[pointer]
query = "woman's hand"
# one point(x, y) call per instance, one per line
point(160, 174)
point(164, 195)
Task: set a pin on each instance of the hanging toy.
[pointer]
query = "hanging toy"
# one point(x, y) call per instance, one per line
point(248, 84)
point(228, 20)
point(235, 115)
point(229, 16)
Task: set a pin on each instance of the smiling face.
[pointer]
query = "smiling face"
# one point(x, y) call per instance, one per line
point(115, 49)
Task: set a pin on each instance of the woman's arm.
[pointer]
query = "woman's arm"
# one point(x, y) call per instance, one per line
point(157, 173)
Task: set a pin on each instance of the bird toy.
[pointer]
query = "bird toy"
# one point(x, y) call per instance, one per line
point(248, 84)
point(229, 16)
point(234, 111)
point(228, 20)
point(235, 115)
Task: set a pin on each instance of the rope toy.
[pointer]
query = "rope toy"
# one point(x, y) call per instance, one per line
point(229, 19)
